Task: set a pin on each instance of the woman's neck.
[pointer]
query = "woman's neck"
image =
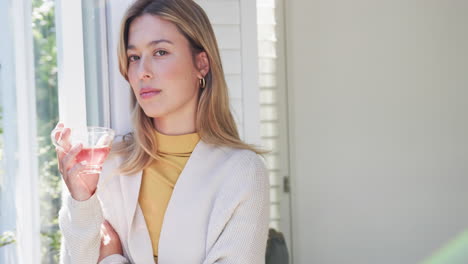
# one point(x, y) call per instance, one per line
point(174, 126)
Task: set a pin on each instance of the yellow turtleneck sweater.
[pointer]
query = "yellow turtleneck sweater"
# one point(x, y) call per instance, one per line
point(160, 177)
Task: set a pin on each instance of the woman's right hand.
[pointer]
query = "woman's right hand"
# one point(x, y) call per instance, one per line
point(81, 186)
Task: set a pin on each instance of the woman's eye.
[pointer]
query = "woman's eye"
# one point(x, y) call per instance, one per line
point(133, 58)
point(160, 53)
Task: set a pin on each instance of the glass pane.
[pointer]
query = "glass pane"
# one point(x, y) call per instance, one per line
point(95, 55)
point(8, 139)
point(1, 146)
point(45, 60)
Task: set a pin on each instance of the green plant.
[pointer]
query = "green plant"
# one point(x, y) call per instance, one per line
point(7, 238)
point(45, 57)
point(45, 60)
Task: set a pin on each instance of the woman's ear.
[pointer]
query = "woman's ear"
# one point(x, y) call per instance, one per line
point(203, 64)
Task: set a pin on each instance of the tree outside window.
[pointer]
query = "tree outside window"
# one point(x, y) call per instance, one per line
point(45, 59)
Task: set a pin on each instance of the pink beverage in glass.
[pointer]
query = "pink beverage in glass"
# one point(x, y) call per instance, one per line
point(96, 141)
point(93, 158)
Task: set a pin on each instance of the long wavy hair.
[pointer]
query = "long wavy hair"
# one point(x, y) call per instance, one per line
point(214, 121)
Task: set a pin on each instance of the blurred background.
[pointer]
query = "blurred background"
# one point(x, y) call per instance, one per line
point(362, 104)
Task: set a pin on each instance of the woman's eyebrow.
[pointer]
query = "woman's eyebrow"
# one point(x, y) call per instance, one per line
point(152, 43)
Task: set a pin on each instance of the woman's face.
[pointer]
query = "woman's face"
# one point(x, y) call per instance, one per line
point(162, 71)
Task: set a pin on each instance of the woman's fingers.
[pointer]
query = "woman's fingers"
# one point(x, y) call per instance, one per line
point(68, 160)
point(110, 241)
point(59, 125)
point(108, 227)
point(80, 188)
point(65, 139)
point(105, 238)
point(108, 234)
point(60, 155)
point(59, 132)
point(108, 230)
point(74, 171)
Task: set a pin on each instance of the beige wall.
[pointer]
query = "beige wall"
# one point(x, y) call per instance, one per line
point(378, 107)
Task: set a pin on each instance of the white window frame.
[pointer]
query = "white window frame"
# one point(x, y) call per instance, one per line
point(71, 66)
point(120, 93)
point(73, 107)
point(70, 62)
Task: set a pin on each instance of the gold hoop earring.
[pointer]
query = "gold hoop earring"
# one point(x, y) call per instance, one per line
point(202, 82)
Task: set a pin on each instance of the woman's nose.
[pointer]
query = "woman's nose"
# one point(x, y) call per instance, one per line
point(145, 71)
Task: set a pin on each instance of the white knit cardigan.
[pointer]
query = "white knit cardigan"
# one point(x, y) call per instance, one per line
point(218, 213)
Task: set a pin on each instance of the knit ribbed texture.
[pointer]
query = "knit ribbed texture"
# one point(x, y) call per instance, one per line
point(80, 223)
point(240, 216)
point(114, 259)
point(227, 224)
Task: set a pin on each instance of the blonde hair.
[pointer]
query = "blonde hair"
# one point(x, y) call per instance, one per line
point(214, 121)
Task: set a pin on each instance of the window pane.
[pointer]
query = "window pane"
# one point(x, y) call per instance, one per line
point(1, 146)
point(95, 55)
point(45, 61)
point(8, 138)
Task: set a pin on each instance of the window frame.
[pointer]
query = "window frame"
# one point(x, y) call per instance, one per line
point(70, 62)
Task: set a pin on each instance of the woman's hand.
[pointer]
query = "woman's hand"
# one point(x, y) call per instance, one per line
point(110, 242)
point(81, 186)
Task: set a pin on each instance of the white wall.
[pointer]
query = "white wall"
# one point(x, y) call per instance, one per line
point(379, 130)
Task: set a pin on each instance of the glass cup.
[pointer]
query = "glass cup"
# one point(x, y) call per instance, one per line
point(96, 141)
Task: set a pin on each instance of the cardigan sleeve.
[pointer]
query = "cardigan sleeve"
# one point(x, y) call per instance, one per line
point(114, 259)
point(240, 218)
point(80, 223)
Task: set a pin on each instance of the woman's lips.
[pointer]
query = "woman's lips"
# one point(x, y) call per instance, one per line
point(146, 95)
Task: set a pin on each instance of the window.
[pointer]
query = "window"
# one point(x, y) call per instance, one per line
point(45, 65)
point(19, 187)
point(30, 185)
point(95, 61)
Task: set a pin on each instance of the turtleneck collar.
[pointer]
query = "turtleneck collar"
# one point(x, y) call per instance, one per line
point(177, 144)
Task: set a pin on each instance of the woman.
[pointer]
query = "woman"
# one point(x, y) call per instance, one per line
point(182, 187)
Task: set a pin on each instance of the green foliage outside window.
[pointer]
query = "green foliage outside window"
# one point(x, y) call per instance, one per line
point(45, 58)
point(7, 238)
